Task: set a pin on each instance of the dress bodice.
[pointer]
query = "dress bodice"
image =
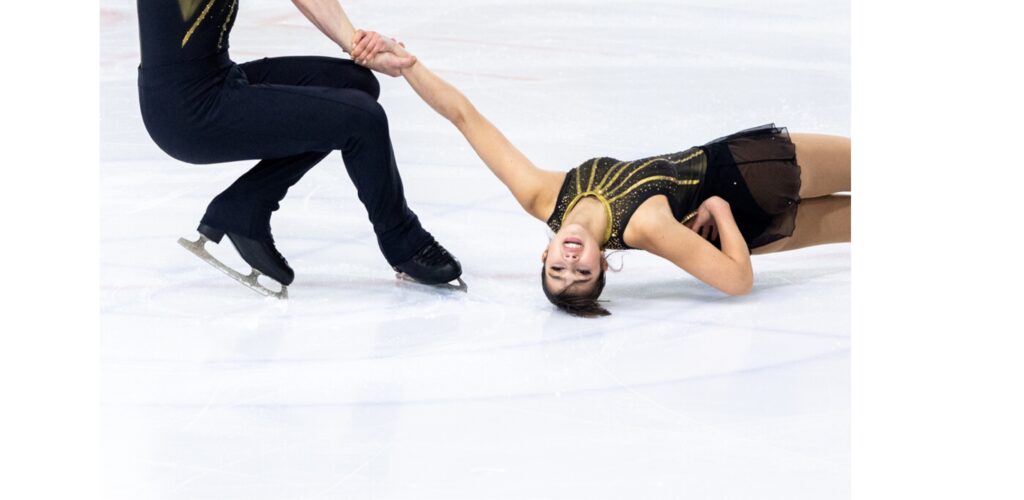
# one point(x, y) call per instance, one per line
point(623, 186)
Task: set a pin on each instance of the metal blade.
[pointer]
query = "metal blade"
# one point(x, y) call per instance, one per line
point(461, 287)
point(198, 248)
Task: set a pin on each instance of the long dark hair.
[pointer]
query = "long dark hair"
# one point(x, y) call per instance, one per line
point(583, 305)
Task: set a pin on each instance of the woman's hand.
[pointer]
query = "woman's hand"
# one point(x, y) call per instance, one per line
point(380, 53)
point(704, 223)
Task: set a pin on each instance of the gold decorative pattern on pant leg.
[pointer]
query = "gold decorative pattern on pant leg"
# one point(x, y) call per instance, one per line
point(202, 15)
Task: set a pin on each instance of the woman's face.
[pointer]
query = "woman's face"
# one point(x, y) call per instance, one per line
point(573, 258)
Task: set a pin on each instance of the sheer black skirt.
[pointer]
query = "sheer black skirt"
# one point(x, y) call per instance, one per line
point(756, 171)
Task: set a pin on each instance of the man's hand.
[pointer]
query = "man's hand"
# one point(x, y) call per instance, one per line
point(366, 45)
point(380, 53)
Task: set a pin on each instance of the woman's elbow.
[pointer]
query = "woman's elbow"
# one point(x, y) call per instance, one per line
point(457, 116)
point(740, 286)
point(743, 290)
point(735, 291)
point(461, 112)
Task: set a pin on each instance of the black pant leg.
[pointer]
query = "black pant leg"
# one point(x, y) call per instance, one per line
point(299, 125)
point(246, 205)
point(370, 162)
point(309, 71)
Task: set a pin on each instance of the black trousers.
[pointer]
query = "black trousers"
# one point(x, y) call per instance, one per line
point(289, 113)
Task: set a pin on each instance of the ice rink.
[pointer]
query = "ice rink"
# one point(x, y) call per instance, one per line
point(361, 386)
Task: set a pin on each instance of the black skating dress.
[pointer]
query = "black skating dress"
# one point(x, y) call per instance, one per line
point(755, 170)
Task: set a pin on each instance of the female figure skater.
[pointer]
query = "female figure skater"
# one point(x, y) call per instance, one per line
point(201, 107)
point(704, 209)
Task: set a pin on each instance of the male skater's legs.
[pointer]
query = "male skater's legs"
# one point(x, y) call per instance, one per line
point(201, 107)
point(322, 105)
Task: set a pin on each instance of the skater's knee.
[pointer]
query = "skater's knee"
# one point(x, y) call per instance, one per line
point(373, 119)
point(365, 122)
point(367, 82)
point(359, 78)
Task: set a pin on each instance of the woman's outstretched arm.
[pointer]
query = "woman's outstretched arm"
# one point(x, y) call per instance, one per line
point(534, 189)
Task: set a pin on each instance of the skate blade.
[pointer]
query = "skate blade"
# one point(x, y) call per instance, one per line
point(461, 287)
point(198, 248)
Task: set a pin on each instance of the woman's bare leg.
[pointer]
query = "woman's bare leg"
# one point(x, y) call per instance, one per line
point(819, 221)
point(824, 164)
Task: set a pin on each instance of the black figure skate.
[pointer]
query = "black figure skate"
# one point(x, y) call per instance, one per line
point(262, 256)
point(433, 265)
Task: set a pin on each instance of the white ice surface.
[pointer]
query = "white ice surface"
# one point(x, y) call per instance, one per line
point(360, 386)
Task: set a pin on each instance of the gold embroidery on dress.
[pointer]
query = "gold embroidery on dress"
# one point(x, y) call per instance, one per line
point(619, 186)
point(578, 188)
point(611, 189)
point(668, 178)
point(593, 170)
point(612, 186)
point(605, 186)
point(600, 185)
point(188, 34)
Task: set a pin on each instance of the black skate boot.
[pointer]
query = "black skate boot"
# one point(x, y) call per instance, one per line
point(261, 255)
point(432, 265)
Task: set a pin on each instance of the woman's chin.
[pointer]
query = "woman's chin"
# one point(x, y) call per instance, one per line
point(575, 230)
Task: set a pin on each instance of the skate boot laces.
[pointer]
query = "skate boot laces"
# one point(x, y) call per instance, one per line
point(434, 255)
point(274, 250)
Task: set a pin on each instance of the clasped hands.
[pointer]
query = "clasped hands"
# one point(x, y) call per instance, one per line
point(704, 223)
point(380, 53)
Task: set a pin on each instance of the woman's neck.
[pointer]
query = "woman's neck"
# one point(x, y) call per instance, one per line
point(589, 213)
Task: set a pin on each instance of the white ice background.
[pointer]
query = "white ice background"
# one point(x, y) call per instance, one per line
point(361, 386)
